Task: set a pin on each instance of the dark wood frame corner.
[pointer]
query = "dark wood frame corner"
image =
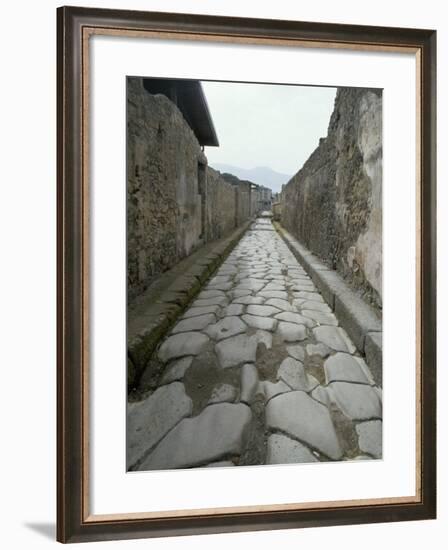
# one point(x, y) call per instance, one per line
point(75, 25)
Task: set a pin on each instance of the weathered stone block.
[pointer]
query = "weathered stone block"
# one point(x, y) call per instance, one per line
point(357, 317)
point(373, 349)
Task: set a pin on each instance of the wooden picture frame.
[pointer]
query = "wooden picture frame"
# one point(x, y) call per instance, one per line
point(75, 26)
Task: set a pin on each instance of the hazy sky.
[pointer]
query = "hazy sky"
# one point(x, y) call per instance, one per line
point(267, 125)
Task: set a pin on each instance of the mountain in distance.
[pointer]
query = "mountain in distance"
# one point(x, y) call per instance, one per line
point(261, 175)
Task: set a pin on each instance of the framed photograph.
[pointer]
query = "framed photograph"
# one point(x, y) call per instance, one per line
point(246, 274)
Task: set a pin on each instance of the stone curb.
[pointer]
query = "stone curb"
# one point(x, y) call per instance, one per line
point(147, 328)
point(354, 315)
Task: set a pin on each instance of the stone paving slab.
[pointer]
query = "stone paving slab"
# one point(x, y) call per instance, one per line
point(297, 352)
point(283, 450)
point(255, 321)
point(335, 338)
point(292, 372)
point(198, 322)
point(296, 318)
point(290, 332)
point(176, 370)
point(271, 389)
point(149, 420)
point(216, 433)
point(321, 317)
point(249, 383)
point(370, 437)
point(195, 311)
point(346, 368)
point(229, 326)
point(318, 349)
point(357, 401)
point(223, 393)
point(184, 343)
point(304, 419)
point(262, 311)
point(236, 350)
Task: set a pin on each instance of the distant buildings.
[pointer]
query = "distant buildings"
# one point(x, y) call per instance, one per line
point(265, 198)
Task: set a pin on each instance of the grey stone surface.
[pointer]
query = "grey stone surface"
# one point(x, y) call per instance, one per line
point(254, 336)
point(262, 311)
point(282, 305)
point(240, 293)
point(237, 349)
point(322, 395)
point(291, 317)
point(318, 349)
point(345, 367)
point(232, 309)
point(149, 420)
point(298, 415)
point(229, 326)
point(357, 401)
point(264, 323)
point(304, 286)
point(304, 295)
point(373, 349)
point(275, 286)
point(320, 317)
point(176, 370)
point(216, 433)
point(357, 317)
point(251, 284)
point(264, 337)
point(216, 301)
point(315, 306)
point(194, 323)
point(282, 294)
point(297, 352)
point(206, 294)
point(283, 450)
point(370, 437)
point(194, 311)
point(249, 383)
point(293, 373)
point(290, 332)
point(185, 343)
point(248, 300)
point(335, 338)
point(270, 389)
point(219, 279)
point(223, 393)
point(220, 286)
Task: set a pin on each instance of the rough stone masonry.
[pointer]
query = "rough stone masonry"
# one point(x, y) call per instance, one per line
point(175, 202)
point(333, 204)
point(257, 371)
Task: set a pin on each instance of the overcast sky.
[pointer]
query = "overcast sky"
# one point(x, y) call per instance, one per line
point(267, 125)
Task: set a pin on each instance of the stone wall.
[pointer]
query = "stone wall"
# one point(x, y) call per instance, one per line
point(333, 204)
point(221, 205)
point(175, 202)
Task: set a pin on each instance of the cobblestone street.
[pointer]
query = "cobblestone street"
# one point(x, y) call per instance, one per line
point(257, 371)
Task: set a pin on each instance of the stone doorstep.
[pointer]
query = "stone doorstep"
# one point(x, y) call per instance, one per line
point(148, 327)
point(354, 315)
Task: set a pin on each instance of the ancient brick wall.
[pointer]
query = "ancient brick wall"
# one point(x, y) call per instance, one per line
point(175, 202)
point(333, 204)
